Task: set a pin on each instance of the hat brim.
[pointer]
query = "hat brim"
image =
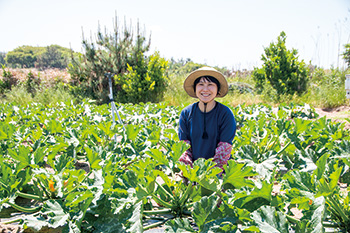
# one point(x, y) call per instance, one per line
point(205, 71)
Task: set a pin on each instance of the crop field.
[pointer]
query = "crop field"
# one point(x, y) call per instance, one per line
point(69, 168)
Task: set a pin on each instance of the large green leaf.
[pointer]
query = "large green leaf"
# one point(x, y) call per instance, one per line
point(52, 215)
point(256, 198)
point(179, 225)
point(236, 174)
point(136, 218)
point(158, 156)
point(93, 157)
point(205, 210)
point(270, 221)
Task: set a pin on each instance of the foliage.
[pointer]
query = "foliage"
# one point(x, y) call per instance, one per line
point(32, 83)
point(134, 183)
point(281, 69)
point(43, 95)
point(23, 56)
point(123, 54)
point(146, 82)
point(2, 58)
point(7, 81)
point(346, 54)
point(327, 88)
point(54, 56)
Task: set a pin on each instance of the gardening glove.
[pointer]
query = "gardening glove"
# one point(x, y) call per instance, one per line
point(186, 157)
point(222, 154)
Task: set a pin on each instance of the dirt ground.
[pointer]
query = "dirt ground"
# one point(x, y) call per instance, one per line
point(338, 114)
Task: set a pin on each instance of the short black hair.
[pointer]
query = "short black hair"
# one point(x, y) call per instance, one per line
point(209, 79)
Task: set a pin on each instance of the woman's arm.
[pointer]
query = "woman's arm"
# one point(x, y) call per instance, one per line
point(186, 157)
point(222, 154)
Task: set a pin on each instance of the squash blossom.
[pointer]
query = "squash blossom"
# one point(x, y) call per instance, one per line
point(51, 185)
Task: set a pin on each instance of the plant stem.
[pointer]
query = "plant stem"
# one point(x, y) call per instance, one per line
point(78, 185)
point(166, 191)
point(284, 148)
point(154, 212)
point(24, 209)
point(338, 209)
point(4, 185)
point(157, 224)
point(11, 221)
point(28, 196)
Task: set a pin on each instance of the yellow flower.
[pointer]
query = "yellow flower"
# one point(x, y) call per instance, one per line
point(51, 185)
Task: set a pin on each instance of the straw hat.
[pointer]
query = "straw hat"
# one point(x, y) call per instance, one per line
point(205, 71)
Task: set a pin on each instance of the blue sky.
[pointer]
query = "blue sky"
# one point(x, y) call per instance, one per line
point(230, 33)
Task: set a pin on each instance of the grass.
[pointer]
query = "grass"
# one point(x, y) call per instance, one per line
point(326, 90)
point(49, 95)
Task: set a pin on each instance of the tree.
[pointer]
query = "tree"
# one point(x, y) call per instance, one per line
point(281, 69)
point(24, 56)
point(123, 54)
point(346, 54)
point(54, 56)
point(2, 58)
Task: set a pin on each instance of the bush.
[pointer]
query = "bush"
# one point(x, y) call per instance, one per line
point(54, 56)
point(123, 55)
point(7, 81)
point(145, 82)
point(346, 54)
point(23, 56)
point(281, 70)
point(330, 90)
point(2, 58)
point(32, 83)
point(44, 95)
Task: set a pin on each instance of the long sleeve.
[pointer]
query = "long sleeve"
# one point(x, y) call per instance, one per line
point(222, 154)
point(186, 157)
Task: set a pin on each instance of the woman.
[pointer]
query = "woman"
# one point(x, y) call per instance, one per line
point(207, 126)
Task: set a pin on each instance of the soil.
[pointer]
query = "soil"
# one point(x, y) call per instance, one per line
point(339, 114)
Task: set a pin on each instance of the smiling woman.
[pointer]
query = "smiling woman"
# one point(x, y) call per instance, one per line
point(207, 126)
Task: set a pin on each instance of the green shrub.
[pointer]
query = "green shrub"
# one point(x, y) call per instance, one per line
point(7, 81)
point(122, 54)
point(330, 90)
point(23, 56)
point(2, 58)
point(32, 83)
point(145, 82)
point(281, 69)
point(54, 56)
point(51, 95)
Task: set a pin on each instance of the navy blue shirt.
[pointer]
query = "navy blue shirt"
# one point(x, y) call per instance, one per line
point(220, 126)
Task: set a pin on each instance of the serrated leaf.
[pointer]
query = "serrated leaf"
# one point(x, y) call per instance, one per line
point(270, 221)
point(204, 210)
point(236, 174)
point(136, 218)
point(93, 158)
point(178, 225)
point(256, 198)
point(158, 156)
point(52, 215)
point(132, 132)
point(178, 149)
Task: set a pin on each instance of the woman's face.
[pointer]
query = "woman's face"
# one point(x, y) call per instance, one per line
point(206, 91)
